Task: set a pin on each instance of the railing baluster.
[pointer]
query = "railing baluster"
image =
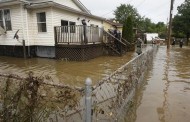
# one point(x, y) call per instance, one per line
point(75, 34)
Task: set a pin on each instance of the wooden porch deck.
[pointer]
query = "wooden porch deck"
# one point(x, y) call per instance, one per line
point(82, 43)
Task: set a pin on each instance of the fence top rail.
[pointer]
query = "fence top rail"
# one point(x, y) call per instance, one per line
point(45, 82)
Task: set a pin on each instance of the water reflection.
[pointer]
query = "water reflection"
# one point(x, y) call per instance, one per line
point(165, 95)
point(73, 73)
point(164, 109)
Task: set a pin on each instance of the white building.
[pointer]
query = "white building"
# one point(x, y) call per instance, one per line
point(36, 19)
point(150, 36)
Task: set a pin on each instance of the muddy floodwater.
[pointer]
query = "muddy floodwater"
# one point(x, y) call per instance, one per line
point(72, 73)
point(165, 93)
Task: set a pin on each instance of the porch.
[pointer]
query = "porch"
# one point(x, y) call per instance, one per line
point(80, 42)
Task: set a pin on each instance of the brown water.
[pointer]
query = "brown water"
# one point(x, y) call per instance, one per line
point(72, 73)
point(165, 94)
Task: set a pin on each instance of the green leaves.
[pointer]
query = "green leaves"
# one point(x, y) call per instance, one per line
point(181, 22)
point(124, 11)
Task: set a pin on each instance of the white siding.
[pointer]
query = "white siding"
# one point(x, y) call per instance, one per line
point(59, 15)
point(150, 36)
point(26, 21)
point(41, 38)
point(68, 3)
point(16, 22)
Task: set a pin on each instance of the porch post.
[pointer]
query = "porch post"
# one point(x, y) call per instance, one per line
point(24, 48)
point(55, 35)
point(84, 30)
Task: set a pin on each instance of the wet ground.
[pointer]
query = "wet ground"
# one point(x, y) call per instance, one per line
point(165, 94)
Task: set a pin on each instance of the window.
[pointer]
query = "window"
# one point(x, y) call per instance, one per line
point(67, 24)
point(1, 19)
point(5, 19)
point(41, 21)
point(72, 27)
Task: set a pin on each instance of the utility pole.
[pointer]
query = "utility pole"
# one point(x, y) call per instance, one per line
point(170, 24)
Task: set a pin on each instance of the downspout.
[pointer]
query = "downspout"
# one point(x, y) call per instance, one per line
point(27, 31)
point(22, 21)
point(23, 40)
point(53, 37)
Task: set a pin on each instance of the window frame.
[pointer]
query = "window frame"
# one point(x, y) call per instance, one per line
point(71, 27)
point(4, 22)
point(65, 30)
point(40, 23)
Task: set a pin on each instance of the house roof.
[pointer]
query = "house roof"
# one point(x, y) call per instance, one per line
point(32, 4)
point(81, 6)
point(9, 2)
point(114, 23)
point(12, 2)
point(63, 7)
point(77, 2)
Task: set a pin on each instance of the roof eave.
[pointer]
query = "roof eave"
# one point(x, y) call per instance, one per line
point(53, 4)
point(115, 24)
point(9, 2)
point(81, 6)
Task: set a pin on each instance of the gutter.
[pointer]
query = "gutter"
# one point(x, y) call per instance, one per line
point(9, 2)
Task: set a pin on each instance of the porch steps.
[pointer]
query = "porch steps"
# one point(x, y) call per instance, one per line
point(112, 50)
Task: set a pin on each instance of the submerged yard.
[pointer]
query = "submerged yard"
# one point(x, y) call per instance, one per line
point(71, 73)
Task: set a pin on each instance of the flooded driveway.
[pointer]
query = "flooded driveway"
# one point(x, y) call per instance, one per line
point(165, 94)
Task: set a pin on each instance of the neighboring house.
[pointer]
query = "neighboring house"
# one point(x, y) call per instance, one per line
point(150, 36)
point(36, 21)
point(109, 24)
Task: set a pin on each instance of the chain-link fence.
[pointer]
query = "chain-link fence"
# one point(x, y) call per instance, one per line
point(34, 99)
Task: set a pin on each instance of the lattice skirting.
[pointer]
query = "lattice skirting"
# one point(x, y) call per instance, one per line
point(78, 52)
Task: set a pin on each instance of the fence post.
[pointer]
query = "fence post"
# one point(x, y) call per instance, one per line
point(88, 100)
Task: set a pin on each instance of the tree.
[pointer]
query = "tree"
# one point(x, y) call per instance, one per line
point(161, 29)
point(181, 22)
point(127, 32)
point(141, 23)
point(124, 11)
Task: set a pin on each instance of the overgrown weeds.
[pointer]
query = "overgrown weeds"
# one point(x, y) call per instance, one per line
point(32, 100)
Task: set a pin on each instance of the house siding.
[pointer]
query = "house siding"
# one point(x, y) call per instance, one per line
point(68, 3)
point(107, 26)
point(26, 21)
point(59, 15)
point(41, 38)
point(17, 23)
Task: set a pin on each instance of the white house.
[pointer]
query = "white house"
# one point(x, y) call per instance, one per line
point(36, 19)
point(150, 36)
